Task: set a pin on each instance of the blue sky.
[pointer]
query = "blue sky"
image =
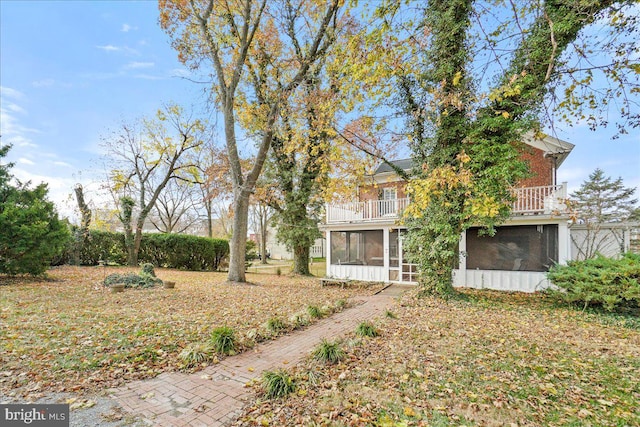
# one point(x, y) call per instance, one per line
point(71, 71)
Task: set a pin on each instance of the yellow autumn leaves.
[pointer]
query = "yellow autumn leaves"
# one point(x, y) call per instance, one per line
point(447, 180)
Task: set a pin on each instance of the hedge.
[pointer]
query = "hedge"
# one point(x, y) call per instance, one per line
point(163, 250)
point(610, 283)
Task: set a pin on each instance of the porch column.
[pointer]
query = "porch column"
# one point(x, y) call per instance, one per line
point(385, 253)
point(564, 243)
point(461, 274)
point(328, 272)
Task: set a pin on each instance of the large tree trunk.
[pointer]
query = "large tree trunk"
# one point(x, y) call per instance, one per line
point(209, 218)
point(238, 243)
point(301, 260)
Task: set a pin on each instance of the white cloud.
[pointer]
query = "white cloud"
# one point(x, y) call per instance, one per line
point(180, 72)
point(110, 48)
point(14, 108)
point(148, 77)
point(43, 83)
point(10, 93)
point(125, 49)
point(11, 128)
point(25, 161)
point(137, 65)
point(126, 28)
point(63, 164)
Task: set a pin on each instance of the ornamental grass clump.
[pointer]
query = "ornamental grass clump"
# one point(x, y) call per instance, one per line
point(367, 329)
point(276, 325)
point(223, 340)
point(145, 279)
point(329, 352)
point(314, 311)
point(277, 384)
point(195, 354)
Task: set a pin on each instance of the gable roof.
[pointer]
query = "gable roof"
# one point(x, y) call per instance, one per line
point(404, 164)
point(552, 147)
point(549, 145)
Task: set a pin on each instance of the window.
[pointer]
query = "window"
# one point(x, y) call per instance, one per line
point(389, 193)
point(357, 247)
point(517, 248)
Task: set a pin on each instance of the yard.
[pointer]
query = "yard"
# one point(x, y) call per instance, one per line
point(68, 333)
point(487, 359)
point(493, 359)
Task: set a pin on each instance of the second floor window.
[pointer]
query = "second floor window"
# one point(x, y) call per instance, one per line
point(389, 193)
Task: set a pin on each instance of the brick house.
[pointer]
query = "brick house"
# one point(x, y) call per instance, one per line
point(364, 237)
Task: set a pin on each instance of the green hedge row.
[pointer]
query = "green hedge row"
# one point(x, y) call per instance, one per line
point(163, 250)
point(610, 283)
point(183, 251)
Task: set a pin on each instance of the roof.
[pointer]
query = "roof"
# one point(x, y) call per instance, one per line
point(404, 164)
point(551, 146)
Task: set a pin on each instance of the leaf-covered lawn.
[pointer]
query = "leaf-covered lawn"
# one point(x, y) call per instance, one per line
point(496, 359)
point(71, 334)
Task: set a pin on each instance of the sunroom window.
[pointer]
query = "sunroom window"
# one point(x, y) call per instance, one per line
point(363, 247)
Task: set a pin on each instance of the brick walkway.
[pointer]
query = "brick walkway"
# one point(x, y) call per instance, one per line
point(215, 396)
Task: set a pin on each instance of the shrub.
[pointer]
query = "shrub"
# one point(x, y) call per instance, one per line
point(32, 235)
point(195, 354)
point(611, 283)
point(167, 250)
point(103, 246)
point(314, 311)
point(275, 325)
point(146, 279)
point(223, 340)
point(277, 384)
point(366, 329)
point(329, 352)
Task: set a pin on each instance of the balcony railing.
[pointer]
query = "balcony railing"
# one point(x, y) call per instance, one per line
point(546, 199)
point(370, 210)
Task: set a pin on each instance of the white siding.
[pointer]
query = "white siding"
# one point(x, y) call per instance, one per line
point(523, 281)
point(365, 273)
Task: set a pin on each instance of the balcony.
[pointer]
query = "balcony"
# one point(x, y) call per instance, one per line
point(367, 211)
point(548, 199)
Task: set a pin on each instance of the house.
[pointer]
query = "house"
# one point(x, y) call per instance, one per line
point(364, 237)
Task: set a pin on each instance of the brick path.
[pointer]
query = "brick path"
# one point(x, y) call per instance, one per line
point(215, 396)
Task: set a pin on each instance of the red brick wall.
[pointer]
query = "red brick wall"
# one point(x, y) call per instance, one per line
point(541, 168)
point(374, 192)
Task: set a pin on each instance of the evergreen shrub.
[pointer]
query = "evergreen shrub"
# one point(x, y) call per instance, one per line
point(613, 284)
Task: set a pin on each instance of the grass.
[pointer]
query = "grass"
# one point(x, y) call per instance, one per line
point(277, 384)
point(329, 352)
point(71, 333)
point(485, 360)
point(366, 329)
point(223, 340)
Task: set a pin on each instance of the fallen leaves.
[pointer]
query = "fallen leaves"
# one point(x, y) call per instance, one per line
point(494, 359)
point(69, 333)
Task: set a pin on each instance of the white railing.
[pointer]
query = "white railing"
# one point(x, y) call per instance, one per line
point(544, 199)
point(370, 210)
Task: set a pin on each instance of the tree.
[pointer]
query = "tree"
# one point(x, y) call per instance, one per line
point(82, 233)
point(175, 208)
point(601, 200)
point(466, 142)
point(31, 234)
point(261, 215)
point(284, 36)
point(145, 158)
